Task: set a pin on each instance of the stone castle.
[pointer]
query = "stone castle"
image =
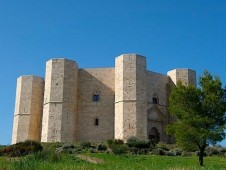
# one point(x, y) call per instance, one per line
point(75, 104)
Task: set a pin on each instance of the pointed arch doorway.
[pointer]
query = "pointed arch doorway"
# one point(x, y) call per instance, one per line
point(154, 134)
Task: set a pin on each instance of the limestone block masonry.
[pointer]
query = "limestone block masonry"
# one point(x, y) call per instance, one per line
point(95, 104)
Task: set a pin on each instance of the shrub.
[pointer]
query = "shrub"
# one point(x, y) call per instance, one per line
point(51, 146)
point(137, 143)
point(153, 143)
point(85, 145)
point(119, 149)
point(67, 146)
point(118, 141)
point(159, 151)
point(163, 146)
point(117, 146)
point(184, 153)
point(21, 148)
point(1, 148)
point(216, 150)
point(132, 141)
point(101, 147)
point(92, 150)
point(112, 142)
point(68, 149)
point(177, 152)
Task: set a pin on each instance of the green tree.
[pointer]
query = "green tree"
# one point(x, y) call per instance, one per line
point(200, 114)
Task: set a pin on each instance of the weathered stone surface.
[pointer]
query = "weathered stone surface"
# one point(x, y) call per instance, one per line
point(101, 82)
point(60, 101)
point(28, 109)
point(130, 97)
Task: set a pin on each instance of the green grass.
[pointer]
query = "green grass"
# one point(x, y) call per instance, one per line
point(109, 161)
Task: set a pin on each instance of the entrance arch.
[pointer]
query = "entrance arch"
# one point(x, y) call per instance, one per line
point(154, 134)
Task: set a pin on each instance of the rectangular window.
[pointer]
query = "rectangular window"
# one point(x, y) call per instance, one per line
point(96, 122)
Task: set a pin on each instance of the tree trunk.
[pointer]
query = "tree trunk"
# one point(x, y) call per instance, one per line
point(201, 155)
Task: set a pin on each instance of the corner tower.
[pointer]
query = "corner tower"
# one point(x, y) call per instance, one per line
point(28, 109)
point(60, 101)
point(130, 97)
point(186, 76)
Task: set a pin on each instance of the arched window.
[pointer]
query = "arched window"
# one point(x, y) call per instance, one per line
point(96, 96)
point(155, 99)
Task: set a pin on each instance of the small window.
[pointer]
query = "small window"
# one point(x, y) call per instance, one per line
point(154, 100)
point(96, 97)
point(96, 122)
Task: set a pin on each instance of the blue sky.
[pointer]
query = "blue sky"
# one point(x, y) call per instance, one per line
point(170, 33)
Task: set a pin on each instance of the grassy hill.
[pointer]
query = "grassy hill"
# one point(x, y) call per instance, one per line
point(69, 157)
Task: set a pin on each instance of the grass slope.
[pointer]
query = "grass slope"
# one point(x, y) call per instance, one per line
point(103, 161)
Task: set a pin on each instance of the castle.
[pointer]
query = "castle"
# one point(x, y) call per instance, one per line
point(75, 104)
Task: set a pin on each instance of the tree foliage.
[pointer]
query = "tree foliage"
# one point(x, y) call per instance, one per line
point(199, 113)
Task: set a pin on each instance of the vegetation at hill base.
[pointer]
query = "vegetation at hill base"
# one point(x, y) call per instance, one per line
point(86, 155)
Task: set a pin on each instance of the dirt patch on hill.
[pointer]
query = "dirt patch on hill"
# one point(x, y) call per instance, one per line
point(90, 159)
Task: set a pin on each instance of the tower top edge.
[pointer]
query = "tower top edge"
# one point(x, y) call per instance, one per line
point(30, 76)
point(180, 69)
point(62, 59)
point(131, 54)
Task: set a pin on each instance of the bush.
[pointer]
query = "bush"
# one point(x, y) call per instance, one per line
point(119, 149)
point(1, 148)
point(132, 141)
point(216, 150)
point(137, 143)
point(101, 147)
point(117, 146)
point(153, 143)
point(68, 149)
point(67, 146)
point(112, 142)
point(118, 141)
point(92, 150)
point(163, 146)
point(177, 152)
point(159, 151)
point(184, 153)
point(85, 145)
point(21, 148)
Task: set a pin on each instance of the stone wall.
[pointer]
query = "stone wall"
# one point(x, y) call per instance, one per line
point(95, 121)
point(158, 116)
point(28, 109)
